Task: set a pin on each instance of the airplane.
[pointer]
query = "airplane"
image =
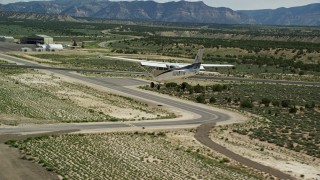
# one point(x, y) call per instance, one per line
point(165, 71)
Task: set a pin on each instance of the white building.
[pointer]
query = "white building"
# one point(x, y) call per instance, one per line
point(54, 47)
point(6, 39)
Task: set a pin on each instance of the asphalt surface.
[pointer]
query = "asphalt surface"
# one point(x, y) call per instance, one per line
point(9, 47)
point(146, 74)
point(118, 84)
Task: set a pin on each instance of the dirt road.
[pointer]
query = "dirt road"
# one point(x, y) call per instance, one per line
point(202, 135)
point(12, 167)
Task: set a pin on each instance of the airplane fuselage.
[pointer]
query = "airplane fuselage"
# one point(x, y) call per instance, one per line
point(166, 75)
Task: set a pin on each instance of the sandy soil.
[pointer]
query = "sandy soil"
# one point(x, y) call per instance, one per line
point(14, 167)
point(298, 165)
point(119, 110)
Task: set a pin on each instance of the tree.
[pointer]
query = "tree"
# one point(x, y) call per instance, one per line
point(217, 87)
point(184, 85)
point(171, 85)
point(74, 43)
point(212, 100)
point(191, 90)
point(246, 104)
point(276, 103)
point(198, 89)
point(285, 103)
point(293, 110)
point(266, 101)
point(201, 99)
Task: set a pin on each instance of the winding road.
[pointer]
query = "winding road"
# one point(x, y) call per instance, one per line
point(195, 114)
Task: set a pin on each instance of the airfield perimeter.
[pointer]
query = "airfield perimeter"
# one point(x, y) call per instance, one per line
point(192, 114)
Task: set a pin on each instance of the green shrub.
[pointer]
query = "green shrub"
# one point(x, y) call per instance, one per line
point(171, 85)
point(246, 104)
point(276, 103)
point(212, 100)
point(184, 86)
point(293, 110)
point(285, 103)
point(217, 87)
point(266, 101)
point(198, 89)
point(201, 99)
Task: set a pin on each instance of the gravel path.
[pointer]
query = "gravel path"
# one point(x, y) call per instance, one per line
point(202, 135)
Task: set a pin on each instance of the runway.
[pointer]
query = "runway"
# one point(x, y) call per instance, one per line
point(146, 74)
point(120, 85)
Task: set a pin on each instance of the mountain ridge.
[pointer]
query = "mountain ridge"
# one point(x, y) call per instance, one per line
point(308, 15)
point(181, 11)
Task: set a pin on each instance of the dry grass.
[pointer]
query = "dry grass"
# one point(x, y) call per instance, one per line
point(138, 155)
point(41, 98)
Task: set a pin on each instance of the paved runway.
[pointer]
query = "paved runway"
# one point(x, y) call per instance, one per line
point(9, 47)
point(119, 84)
point(146, 74)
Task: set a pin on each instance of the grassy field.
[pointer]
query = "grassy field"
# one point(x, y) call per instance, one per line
point(138, 155)
point(290, 113)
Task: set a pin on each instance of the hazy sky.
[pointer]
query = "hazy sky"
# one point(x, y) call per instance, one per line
point(236, 4)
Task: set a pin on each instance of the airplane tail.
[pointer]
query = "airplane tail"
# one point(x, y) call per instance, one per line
point(197, 61)
point(198, 58)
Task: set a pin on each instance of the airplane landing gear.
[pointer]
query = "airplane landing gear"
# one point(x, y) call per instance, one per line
point(152, 84)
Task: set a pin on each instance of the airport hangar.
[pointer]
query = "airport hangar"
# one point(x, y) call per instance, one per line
point(37, 39)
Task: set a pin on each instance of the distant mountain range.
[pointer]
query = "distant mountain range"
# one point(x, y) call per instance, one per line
point(308, 15)
point(182, 11)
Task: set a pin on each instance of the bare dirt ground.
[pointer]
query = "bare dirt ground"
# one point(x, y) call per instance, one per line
point(103, 102)
point(296, 164)
point(14, 167)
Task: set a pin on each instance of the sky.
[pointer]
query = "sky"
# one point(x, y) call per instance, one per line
point(234, 4)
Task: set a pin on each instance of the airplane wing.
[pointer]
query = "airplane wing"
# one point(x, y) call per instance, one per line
point(153, 64)
point(217, 65)
point(125, 59)
point(150, 63)
point(167, 64)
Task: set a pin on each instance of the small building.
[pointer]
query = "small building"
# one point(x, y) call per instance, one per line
point(7, 39)
point(37, 39)
point(54, 47)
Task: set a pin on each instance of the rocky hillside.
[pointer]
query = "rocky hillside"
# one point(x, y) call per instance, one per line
point(308, 15)
point(36, 16)
point(182, 11)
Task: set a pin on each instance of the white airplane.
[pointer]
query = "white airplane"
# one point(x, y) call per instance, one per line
point(165, 71)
